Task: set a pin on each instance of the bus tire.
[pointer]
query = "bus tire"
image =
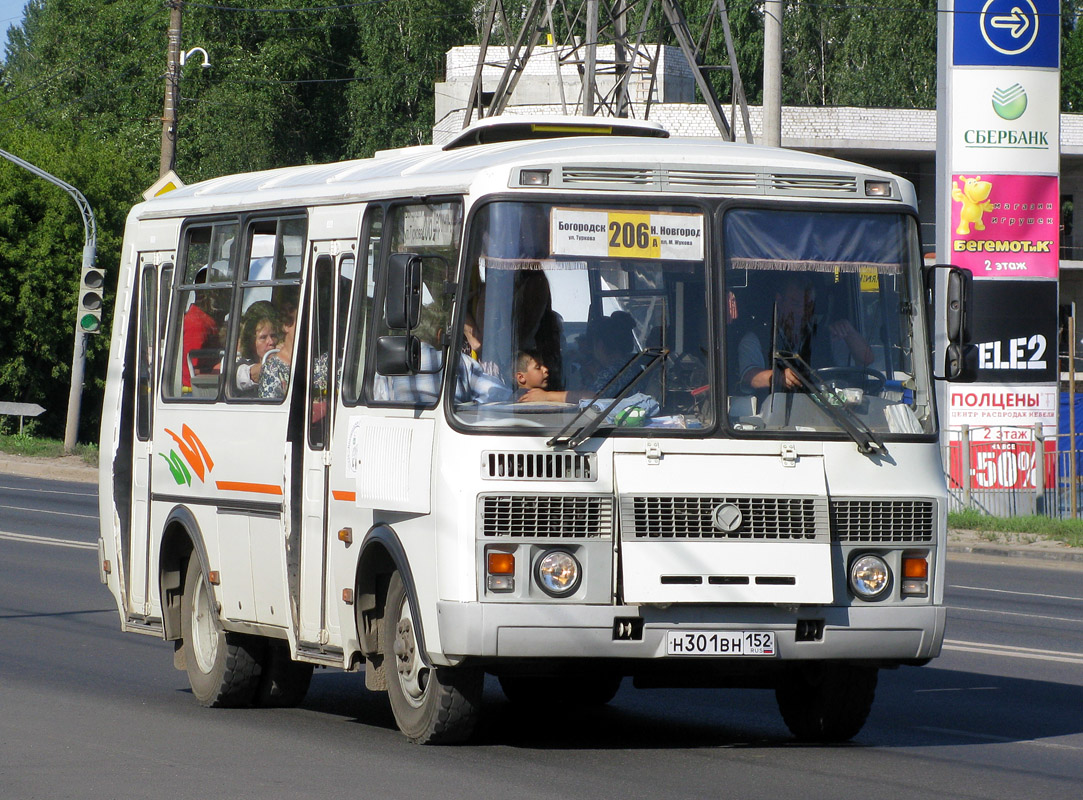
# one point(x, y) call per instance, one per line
point(223, 668)
point(827, 702)
point(583, 691)
point(431, 705)
point(283, 682)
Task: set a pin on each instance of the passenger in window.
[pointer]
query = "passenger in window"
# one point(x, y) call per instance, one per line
point(200, 332)
point(259, 340)
point(471, 346)
point(800, 332)
point(274, 378)
point(538, 327)
point(530, 373)
point(613, 343)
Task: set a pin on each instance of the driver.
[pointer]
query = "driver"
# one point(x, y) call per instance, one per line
point(800, 332)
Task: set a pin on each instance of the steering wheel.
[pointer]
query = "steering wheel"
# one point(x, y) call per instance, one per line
point(870, 380)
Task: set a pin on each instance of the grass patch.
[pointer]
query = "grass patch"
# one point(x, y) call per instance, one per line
point(34, 447)
point(1069, 531)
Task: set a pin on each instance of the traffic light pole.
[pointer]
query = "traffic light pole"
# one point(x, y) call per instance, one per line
point(90, 251)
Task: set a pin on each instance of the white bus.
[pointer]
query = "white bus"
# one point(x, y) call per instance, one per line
point(561, 402)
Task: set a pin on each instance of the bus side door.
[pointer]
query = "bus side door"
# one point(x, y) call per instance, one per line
point(155, 278)
point(332, 277)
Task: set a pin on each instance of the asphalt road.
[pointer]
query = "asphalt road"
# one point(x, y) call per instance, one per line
point(89, 712)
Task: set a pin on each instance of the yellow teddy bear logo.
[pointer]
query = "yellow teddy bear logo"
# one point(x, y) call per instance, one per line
point(973, 196)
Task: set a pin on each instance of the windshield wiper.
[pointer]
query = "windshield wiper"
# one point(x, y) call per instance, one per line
point(651, 356)
point(868, 443)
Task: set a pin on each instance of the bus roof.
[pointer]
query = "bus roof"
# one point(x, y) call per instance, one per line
point(627, 163)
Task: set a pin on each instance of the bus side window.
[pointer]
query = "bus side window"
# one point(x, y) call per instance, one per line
point(320, 352)
point(203, 299)
point(364, 291)
point(145, 347)
point(263, 348)
point(432, 231)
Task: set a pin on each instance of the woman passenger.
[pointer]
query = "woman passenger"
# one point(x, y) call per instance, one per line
point(259, 337)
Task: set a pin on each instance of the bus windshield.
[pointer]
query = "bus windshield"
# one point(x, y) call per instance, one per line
point(821, 323)
point(561, 299)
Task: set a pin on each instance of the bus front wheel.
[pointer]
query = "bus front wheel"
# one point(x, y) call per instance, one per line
point(432, 705)
point(827, 702)
point(223, 668)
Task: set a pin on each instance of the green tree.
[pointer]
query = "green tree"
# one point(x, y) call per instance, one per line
point(1071, 56)
point(400, 54)
point(41, 244)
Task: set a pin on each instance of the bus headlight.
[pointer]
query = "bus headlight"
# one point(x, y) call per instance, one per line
point(558, 573)
point(869, 576)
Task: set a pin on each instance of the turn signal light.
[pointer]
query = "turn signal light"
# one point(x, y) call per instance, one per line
point(915, 568)
point(501, 563)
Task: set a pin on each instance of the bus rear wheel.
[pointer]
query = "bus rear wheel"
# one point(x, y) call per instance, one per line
point(827, 702)
point(431, 705)
point(223, 668)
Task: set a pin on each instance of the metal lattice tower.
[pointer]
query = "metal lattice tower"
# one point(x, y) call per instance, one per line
point(578, 33)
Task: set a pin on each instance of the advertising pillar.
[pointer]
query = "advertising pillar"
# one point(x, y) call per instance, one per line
point(998, 215)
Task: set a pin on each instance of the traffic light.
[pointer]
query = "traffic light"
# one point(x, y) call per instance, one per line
point(91, 290)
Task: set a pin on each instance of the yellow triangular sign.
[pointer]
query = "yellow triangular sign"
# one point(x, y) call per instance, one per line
point(166, 183)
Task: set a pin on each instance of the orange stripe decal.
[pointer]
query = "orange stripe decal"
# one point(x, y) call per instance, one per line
point(347, 497)
point(255, 488)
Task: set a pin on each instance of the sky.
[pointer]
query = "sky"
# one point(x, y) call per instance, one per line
point(11, 13)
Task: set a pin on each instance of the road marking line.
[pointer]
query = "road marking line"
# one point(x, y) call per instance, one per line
point(960, 689)
point(25, 537)
point(991, 738)
point(1020, 594)
point(1010, 651)
point(23, 490)
point(43, 511)
point(1014, 614)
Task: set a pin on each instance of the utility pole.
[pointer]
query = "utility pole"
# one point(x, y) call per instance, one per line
point(583, 26)
point(772, 72)
point(90, 251)
point(172, 81)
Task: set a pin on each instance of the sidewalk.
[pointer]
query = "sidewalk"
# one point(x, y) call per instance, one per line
point(65, 468)
point(983, 543)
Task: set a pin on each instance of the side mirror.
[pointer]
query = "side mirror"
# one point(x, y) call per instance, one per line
point(398, 355)
point(948, 302)
point(402, 303)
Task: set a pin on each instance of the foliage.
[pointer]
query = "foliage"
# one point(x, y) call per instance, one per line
point(1071, 56)
point(399, 55)
point(1069, 531)
point(879, 53)
point(35, 447)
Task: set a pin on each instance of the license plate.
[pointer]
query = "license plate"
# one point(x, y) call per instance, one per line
point(720, 643)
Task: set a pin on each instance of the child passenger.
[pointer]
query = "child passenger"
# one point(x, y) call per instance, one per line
point(530, 373)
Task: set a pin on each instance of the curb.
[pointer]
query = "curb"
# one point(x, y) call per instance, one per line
point(54, 469)
point(1059, 555)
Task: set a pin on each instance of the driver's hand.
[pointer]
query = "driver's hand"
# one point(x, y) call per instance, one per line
point(790, 379)
point(842, 329)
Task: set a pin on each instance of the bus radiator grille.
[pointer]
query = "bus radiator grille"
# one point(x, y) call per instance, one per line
point(791, 519)
point(883, 521)
point(575, 516)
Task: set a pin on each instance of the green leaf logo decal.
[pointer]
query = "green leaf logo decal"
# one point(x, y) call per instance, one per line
point(180, 472)
point(1010, 103)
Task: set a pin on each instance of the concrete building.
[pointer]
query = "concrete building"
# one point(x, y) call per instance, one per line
point(902, 141)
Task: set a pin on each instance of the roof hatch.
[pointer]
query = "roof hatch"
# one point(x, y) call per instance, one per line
point(522, 128)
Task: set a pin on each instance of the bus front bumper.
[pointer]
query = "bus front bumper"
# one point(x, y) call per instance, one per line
point(888, 634)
